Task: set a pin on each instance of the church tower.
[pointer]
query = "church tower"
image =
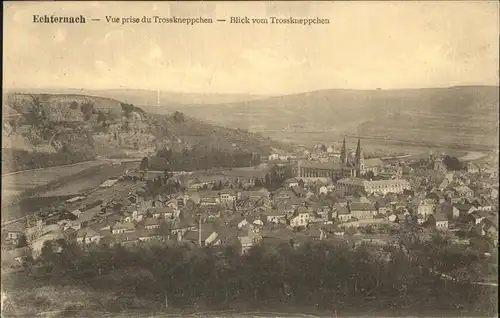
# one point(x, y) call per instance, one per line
point(343, 153)
point(359, 160)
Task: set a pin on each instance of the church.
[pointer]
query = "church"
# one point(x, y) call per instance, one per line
point(345, 168)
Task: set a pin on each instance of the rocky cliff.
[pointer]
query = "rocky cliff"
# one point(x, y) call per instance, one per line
point(46, 129)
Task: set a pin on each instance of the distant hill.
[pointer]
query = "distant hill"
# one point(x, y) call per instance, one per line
point(41, 130)
point(465, 114)
point(143, 97)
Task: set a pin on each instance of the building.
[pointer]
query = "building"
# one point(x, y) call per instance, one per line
point(373, 165)
point(353, 185)
point(441, 221)
point(14, 232)
point(439, 166)
point(316, 169)
point(87, 236)
point(347, 167)
point(464, 192)
point(227, 197)
point(362, 210)
point(343, 214)
point(472, 168)
point(426, 207)
point(301, 219)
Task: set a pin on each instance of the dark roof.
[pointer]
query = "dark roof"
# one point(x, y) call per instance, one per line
point(439, 217)
point(462, 207)
point(343, 211)
point(360, 206)
point(151, 221)
point(160, 210)
point(87, 232)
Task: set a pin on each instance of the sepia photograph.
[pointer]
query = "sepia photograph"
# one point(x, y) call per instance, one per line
point(250, 159)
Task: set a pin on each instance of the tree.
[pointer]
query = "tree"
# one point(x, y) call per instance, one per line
point(369, 175)
point(452, 163)
point(87, 110)
point(22, 242)
point(144, 163)
point(165, 228)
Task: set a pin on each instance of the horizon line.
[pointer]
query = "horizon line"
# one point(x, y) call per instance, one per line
point(246, 94)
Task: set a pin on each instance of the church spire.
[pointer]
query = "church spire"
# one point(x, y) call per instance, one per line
point(358, 151)
point(359, 160)
point(343, 153)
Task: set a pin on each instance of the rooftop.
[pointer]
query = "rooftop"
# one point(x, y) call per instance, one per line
point(321, 165)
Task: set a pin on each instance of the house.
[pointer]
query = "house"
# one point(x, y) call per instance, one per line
point(249, 239)
point(212, 239)
point(464, 191)
point(255, 194)
point(300, 219)
point(128, 238)
point(152, 223)
point(343, 214)
point(209, 201)
point(461, 210)
point(87, 236)
point(290, 183)
point(472, 168)
point(282, 194)
point(145, 235)
point(76, 212)
point(237, 221)
point(164, 212)
point(382, 207)
point(489, 227)
point(120, 228)
point(323, 190)
point(181, 227)
point(401, 217)
point(139, 215)
point(426, 207)
point(478, 216)
point(76, 225)
point(227, 197)
point(441, 221)
point(14, 231)
point(285, 207)
point(299, 191)
point(362, 210)
point(483, 204)
point(326, 213)
point(274, 217)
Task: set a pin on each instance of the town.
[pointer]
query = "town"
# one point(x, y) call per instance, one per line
point(315, 194)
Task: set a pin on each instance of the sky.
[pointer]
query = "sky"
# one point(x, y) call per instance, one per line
point(366, 45)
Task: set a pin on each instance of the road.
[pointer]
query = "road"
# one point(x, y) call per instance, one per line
point(103, 160)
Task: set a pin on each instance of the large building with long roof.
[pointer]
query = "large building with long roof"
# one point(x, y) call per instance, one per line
point(347, 166)
point(352, 185)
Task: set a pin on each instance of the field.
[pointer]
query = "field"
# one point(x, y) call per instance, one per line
point(18, 182)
